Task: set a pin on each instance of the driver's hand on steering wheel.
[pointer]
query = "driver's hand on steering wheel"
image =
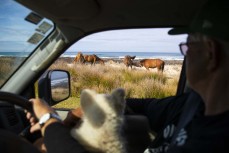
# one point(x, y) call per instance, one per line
point(73, 118)
point(40, 108)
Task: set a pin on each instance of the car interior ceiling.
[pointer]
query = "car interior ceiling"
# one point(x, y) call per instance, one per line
point(93, 15)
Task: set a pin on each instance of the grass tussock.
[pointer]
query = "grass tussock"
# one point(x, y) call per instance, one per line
point(103, 79)
point(8, 66)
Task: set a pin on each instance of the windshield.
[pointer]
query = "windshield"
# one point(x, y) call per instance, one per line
point(21, 32)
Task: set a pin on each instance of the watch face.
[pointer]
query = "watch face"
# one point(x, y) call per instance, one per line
point(47, 116)
point(44, 118)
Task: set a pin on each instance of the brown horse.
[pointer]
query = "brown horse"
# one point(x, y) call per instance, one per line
point(92, 59)
point(79, 58)
point(128, 61)
point(153, 63)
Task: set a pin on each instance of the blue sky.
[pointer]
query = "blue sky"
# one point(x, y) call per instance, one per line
point(12, 24)
point(13, 28)
point(138, 40)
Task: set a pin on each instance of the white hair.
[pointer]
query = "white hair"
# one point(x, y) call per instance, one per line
point(198, 37)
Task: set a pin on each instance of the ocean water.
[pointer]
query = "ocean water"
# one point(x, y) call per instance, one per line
point(139, 55)
point(18, 54)
point(112, 55)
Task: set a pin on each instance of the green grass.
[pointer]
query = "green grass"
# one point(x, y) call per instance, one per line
point(103, 79)
point(72, 102)
point(7, 67)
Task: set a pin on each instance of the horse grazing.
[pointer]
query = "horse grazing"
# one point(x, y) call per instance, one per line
point(92, 59)
point(153, 63)
point(79, 58)
point(128, 61)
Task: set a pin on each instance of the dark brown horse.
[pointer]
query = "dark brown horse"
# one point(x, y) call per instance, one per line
point(92, 59)
point(79, 58)
point(153, 63)
point(128, 61)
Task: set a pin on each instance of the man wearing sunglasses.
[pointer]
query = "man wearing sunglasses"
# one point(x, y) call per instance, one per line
point(207, 69)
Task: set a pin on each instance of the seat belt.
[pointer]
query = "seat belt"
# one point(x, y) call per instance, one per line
point(187, 115)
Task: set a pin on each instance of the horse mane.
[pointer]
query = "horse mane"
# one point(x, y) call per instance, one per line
point(79, 58)
point(128, 61)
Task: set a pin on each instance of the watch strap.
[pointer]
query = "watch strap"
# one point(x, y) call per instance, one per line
point(48, 116)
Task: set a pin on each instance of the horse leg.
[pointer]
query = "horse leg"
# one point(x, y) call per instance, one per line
point(101, 62)
point(75, 60)
point(127, 66)
point(82, 60)
point(162, 67)
point(159, 69)
point(94, 61)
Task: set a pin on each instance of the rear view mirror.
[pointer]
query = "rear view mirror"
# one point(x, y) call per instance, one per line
point(54, 86)
point(59, 85)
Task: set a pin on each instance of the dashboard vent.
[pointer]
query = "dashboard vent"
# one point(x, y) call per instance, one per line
point(11, 116)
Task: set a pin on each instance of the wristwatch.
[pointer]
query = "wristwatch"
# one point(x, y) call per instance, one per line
point(47, 116)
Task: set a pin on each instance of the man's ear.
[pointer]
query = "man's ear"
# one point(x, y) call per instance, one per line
point(214, 50)
point(94, 114)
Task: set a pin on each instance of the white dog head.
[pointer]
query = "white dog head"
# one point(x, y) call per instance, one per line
point(102, 121)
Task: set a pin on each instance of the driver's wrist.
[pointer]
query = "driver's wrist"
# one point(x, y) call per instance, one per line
point(47, 119)
point(49, 122)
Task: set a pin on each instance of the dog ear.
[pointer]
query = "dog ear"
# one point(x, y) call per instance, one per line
point(119, 103)
point(92, 111)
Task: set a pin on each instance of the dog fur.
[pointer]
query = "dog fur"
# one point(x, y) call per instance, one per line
point(100, 130)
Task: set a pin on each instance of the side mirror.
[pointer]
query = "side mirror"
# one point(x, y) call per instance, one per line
point(54, 86)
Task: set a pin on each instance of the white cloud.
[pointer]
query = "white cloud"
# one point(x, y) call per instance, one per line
point(134, 40)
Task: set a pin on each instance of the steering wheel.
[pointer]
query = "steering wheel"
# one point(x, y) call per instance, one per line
point(16, 100)
point(24, 103)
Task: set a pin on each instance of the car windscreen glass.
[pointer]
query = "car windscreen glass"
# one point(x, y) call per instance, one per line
point(112, 59)
point(21, 32)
